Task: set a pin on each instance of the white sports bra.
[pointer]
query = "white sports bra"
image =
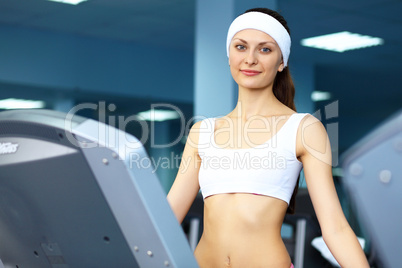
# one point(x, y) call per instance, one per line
point(269, 169)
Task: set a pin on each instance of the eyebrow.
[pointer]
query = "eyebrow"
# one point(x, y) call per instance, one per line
point(262, 43)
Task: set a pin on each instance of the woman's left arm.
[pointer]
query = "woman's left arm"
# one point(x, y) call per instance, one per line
point(313, 149)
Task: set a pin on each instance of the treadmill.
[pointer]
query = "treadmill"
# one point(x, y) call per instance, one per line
point(75, 192)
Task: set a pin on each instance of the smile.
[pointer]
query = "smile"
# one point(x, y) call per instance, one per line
point(250, 72)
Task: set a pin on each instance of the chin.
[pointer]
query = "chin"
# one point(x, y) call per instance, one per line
point(248, 83)
point(254, 86)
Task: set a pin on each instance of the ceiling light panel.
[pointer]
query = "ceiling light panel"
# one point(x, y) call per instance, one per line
point(12, 103)
point(158, 115)
point(342, 41)
point(320, 96)
point(71, 2)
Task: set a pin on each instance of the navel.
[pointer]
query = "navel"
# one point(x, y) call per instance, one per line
point(227, 262)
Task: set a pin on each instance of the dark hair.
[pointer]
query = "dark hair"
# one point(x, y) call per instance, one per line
point(283, 89)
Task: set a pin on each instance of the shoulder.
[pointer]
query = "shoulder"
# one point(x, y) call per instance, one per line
point(202, 126)
point(310, 127)
point(197, 130)
point(312, 139)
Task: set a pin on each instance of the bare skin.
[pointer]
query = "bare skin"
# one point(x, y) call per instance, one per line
point(243, 230)
point(236, 223)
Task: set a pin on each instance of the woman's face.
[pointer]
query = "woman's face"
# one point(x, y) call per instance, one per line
point(254, 59)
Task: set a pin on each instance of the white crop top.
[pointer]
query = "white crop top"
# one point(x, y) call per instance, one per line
point(269, 169)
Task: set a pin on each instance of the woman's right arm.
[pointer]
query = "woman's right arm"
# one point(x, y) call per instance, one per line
point(185, 187)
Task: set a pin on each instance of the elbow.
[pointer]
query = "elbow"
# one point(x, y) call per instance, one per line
point(176, 211)
point(335, 229)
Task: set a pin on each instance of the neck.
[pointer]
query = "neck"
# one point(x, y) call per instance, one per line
point(252, 102)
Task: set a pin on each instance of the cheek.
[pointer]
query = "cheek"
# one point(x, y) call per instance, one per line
point(234, 64)
point(231, 59)
point(279, 62)
point(236, 58)
point(233, 71)
point(273, 64)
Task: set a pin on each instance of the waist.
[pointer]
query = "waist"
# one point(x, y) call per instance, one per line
point(242, 230)
point(242, 250)
point(244, 214)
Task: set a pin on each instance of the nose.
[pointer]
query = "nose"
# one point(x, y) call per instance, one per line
point(251, 58)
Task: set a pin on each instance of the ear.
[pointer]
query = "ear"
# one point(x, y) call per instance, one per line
point(281, 67)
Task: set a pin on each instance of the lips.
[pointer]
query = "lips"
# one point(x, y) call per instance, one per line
point(250, 72)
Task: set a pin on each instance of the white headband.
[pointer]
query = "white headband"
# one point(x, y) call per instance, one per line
point(265, 23)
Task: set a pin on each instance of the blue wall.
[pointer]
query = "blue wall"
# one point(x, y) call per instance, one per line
point(67, 62)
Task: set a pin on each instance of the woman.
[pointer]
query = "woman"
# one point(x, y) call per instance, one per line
point(247, 163)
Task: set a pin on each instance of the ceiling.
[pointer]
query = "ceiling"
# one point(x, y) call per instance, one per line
point(379, 18)
point(149, 21)
point(152, 20)
point(127, 20)
point(376, 70)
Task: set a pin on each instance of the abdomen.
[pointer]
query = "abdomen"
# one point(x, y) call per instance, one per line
point(242, 230)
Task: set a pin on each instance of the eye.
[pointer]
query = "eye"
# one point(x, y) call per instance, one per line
point(265, 49)
point(240, 47)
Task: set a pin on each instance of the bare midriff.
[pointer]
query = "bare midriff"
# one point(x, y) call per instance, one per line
point(242, 230)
